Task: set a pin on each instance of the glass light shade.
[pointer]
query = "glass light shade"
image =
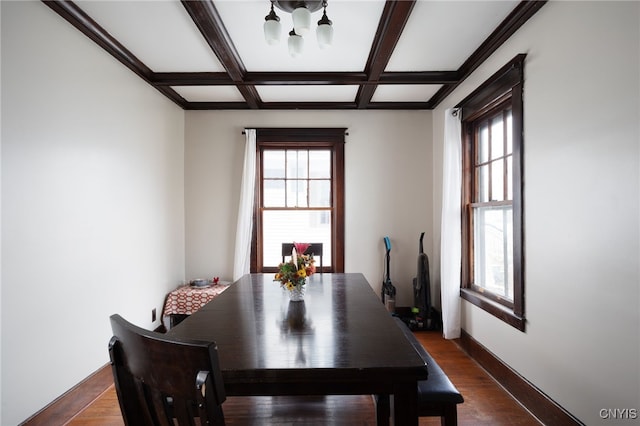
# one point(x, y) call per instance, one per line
point(301, 20)
point(296, 45)
point(324, 34)
point(272, 30)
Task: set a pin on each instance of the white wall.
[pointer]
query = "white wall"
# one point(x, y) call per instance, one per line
point(92, 204)
point(581, 150)
point(388, 187)
point(0, 223)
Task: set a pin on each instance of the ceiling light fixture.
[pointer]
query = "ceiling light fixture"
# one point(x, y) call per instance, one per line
point(301, 17)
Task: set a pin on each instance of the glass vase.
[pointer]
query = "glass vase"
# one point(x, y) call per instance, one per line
point(296, 294)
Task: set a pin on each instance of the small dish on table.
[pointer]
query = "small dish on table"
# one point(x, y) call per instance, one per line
point(200, 283)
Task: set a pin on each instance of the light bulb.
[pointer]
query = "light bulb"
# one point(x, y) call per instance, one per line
point(272, 30)
point(301, 21)
point(324, 32)
point(272, 27)
point(296, 44)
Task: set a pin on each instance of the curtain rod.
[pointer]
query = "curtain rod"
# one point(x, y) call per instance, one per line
point(345, 133)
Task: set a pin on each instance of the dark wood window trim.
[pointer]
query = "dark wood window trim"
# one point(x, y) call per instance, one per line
point(332, 138)
point(504, 89)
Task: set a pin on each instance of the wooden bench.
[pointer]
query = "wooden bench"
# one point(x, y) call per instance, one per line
point(437, 396)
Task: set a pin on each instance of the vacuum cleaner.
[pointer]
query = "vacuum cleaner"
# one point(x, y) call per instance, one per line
point(425, 316)
point(388, 292)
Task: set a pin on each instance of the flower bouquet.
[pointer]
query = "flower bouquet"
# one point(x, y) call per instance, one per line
point(293, 274)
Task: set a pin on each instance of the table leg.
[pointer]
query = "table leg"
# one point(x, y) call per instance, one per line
point(405, 404)
point(383, 410)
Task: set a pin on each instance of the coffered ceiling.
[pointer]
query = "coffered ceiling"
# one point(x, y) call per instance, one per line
point(212, 55)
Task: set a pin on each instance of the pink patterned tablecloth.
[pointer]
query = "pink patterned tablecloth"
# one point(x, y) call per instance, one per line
point(188, 299)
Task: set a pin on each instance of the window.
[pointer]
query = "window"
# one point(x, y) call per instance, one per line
point(299, 194)
point(492, 222)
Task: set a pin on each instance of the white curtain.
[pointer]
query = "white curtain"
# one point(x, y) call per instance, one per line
point(450, 249)
point(242, 258)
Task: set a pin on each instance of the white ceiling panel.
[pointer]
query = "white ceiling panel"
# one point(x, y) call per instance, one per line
point(404, 92)
point(354, 22)
point(342, 93)
point(159, 33)
point(441, 35)
point(209, 93)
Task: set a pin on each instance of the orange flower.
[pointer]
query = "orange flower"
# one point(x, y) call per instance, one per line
point(311, 269)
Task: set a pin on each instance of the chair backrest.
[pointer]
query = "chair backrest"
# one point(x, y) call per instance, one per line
point(160, 380)
point(314, 248)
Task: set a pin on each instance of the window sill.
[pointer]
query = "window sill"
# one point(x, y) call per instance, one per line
point(499, 311)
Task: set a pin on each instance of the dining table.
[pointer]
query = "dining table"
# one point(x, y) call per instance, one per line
point(340, 340)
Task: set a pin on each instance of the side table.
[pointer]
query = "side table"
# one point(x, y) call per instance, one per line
point(187, 299)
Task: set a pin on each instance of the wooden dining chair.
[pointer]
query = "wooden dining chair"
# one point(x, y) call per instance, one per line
point(314, 248)
point(163, 381)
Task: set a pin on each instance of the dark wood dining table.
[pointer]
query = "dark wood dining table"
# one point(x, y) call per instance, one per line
point(339, 341)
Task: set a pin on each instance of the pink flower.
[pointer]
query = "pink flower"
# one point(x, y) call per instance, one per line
point(301, 247)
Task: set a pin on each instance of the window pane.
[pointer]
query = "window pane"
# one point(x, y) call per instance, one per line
point(509, 178)
point(497, 137)
point(483, 184)
point(320, 164)
point(497, 180)
point(297, 193)
point(273, 166)
point(493, 249)
point(287, 226)
point(483, 144)
point(320, 193)
point(509, 133)
point(297, 164)
point(273, 193)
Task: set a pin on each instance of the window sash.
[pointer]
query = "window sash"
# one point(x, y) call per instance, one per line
point(291, 179)
point(493, 249)
point(299, 225)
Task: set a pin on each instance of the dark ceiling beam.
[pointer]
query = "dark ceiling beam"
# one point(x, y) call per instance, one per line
point(90, 28)
point(305, 78)
point(258, 78)
point(394, 17)
point(302, 78)
point(309, 105)
point(206, 106)
point(192, 79)
point(272, 105)
point(512, 23)
point(399, 105)
point(419, 77)
point(208, 21)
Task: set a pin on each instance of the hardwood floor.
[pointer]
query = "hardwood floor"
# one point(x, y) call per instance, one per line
point(486, 403)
